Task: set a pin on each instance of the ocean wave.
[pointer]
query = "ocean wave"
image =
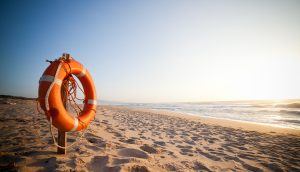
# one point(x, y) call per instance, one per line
point(262, 106)
point(291, 121)
point(290, 105)
point(290, 112)
point(286, 105)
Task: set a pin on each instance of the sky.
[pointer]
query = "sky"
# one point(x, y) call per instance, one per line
point(157, 50)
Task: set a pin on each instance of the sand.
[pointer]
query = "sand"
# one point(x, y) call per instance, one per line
point(124, 139)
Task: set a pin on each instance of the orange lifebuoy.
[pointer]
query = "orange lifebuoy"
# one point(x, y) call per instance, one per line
point(50, 95)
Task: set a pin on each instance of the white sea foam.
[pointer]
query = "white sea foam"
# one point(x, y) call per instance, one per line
point(249, 111)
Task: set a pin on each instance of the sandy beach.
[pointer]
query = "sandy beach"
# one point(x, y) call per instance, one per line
point(124, 139)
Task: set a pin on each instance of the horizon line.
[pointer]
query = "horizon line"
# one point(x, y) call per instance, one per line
point(201, 101)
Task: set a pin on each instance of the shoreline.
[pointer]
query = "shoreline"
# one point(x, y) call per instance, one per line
point(224, 122)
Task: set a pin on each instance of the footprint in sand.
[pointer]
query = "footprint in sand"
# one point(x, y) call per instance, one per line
point(195, 166)
point(95, 140)
point(208, 155)
point(130, 152)
point(161, 143)
point(173, 167)
point(244, 164)
point(101, 163)
point(136, 168)
point(149, 149)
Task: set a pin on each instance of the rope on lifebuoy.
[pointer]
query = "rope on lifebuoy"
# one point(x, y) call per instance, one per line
point(65, 147)
point(52, 134)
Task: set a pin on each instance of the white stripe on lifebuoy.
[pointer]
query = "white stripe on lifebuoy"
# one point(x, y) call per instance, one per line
point(50, 88)
point(75, 124)
point(92, 102)
point(82, 73)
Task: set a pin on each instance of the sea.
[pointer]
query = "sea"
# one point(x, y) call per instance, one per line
point(284, 114)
